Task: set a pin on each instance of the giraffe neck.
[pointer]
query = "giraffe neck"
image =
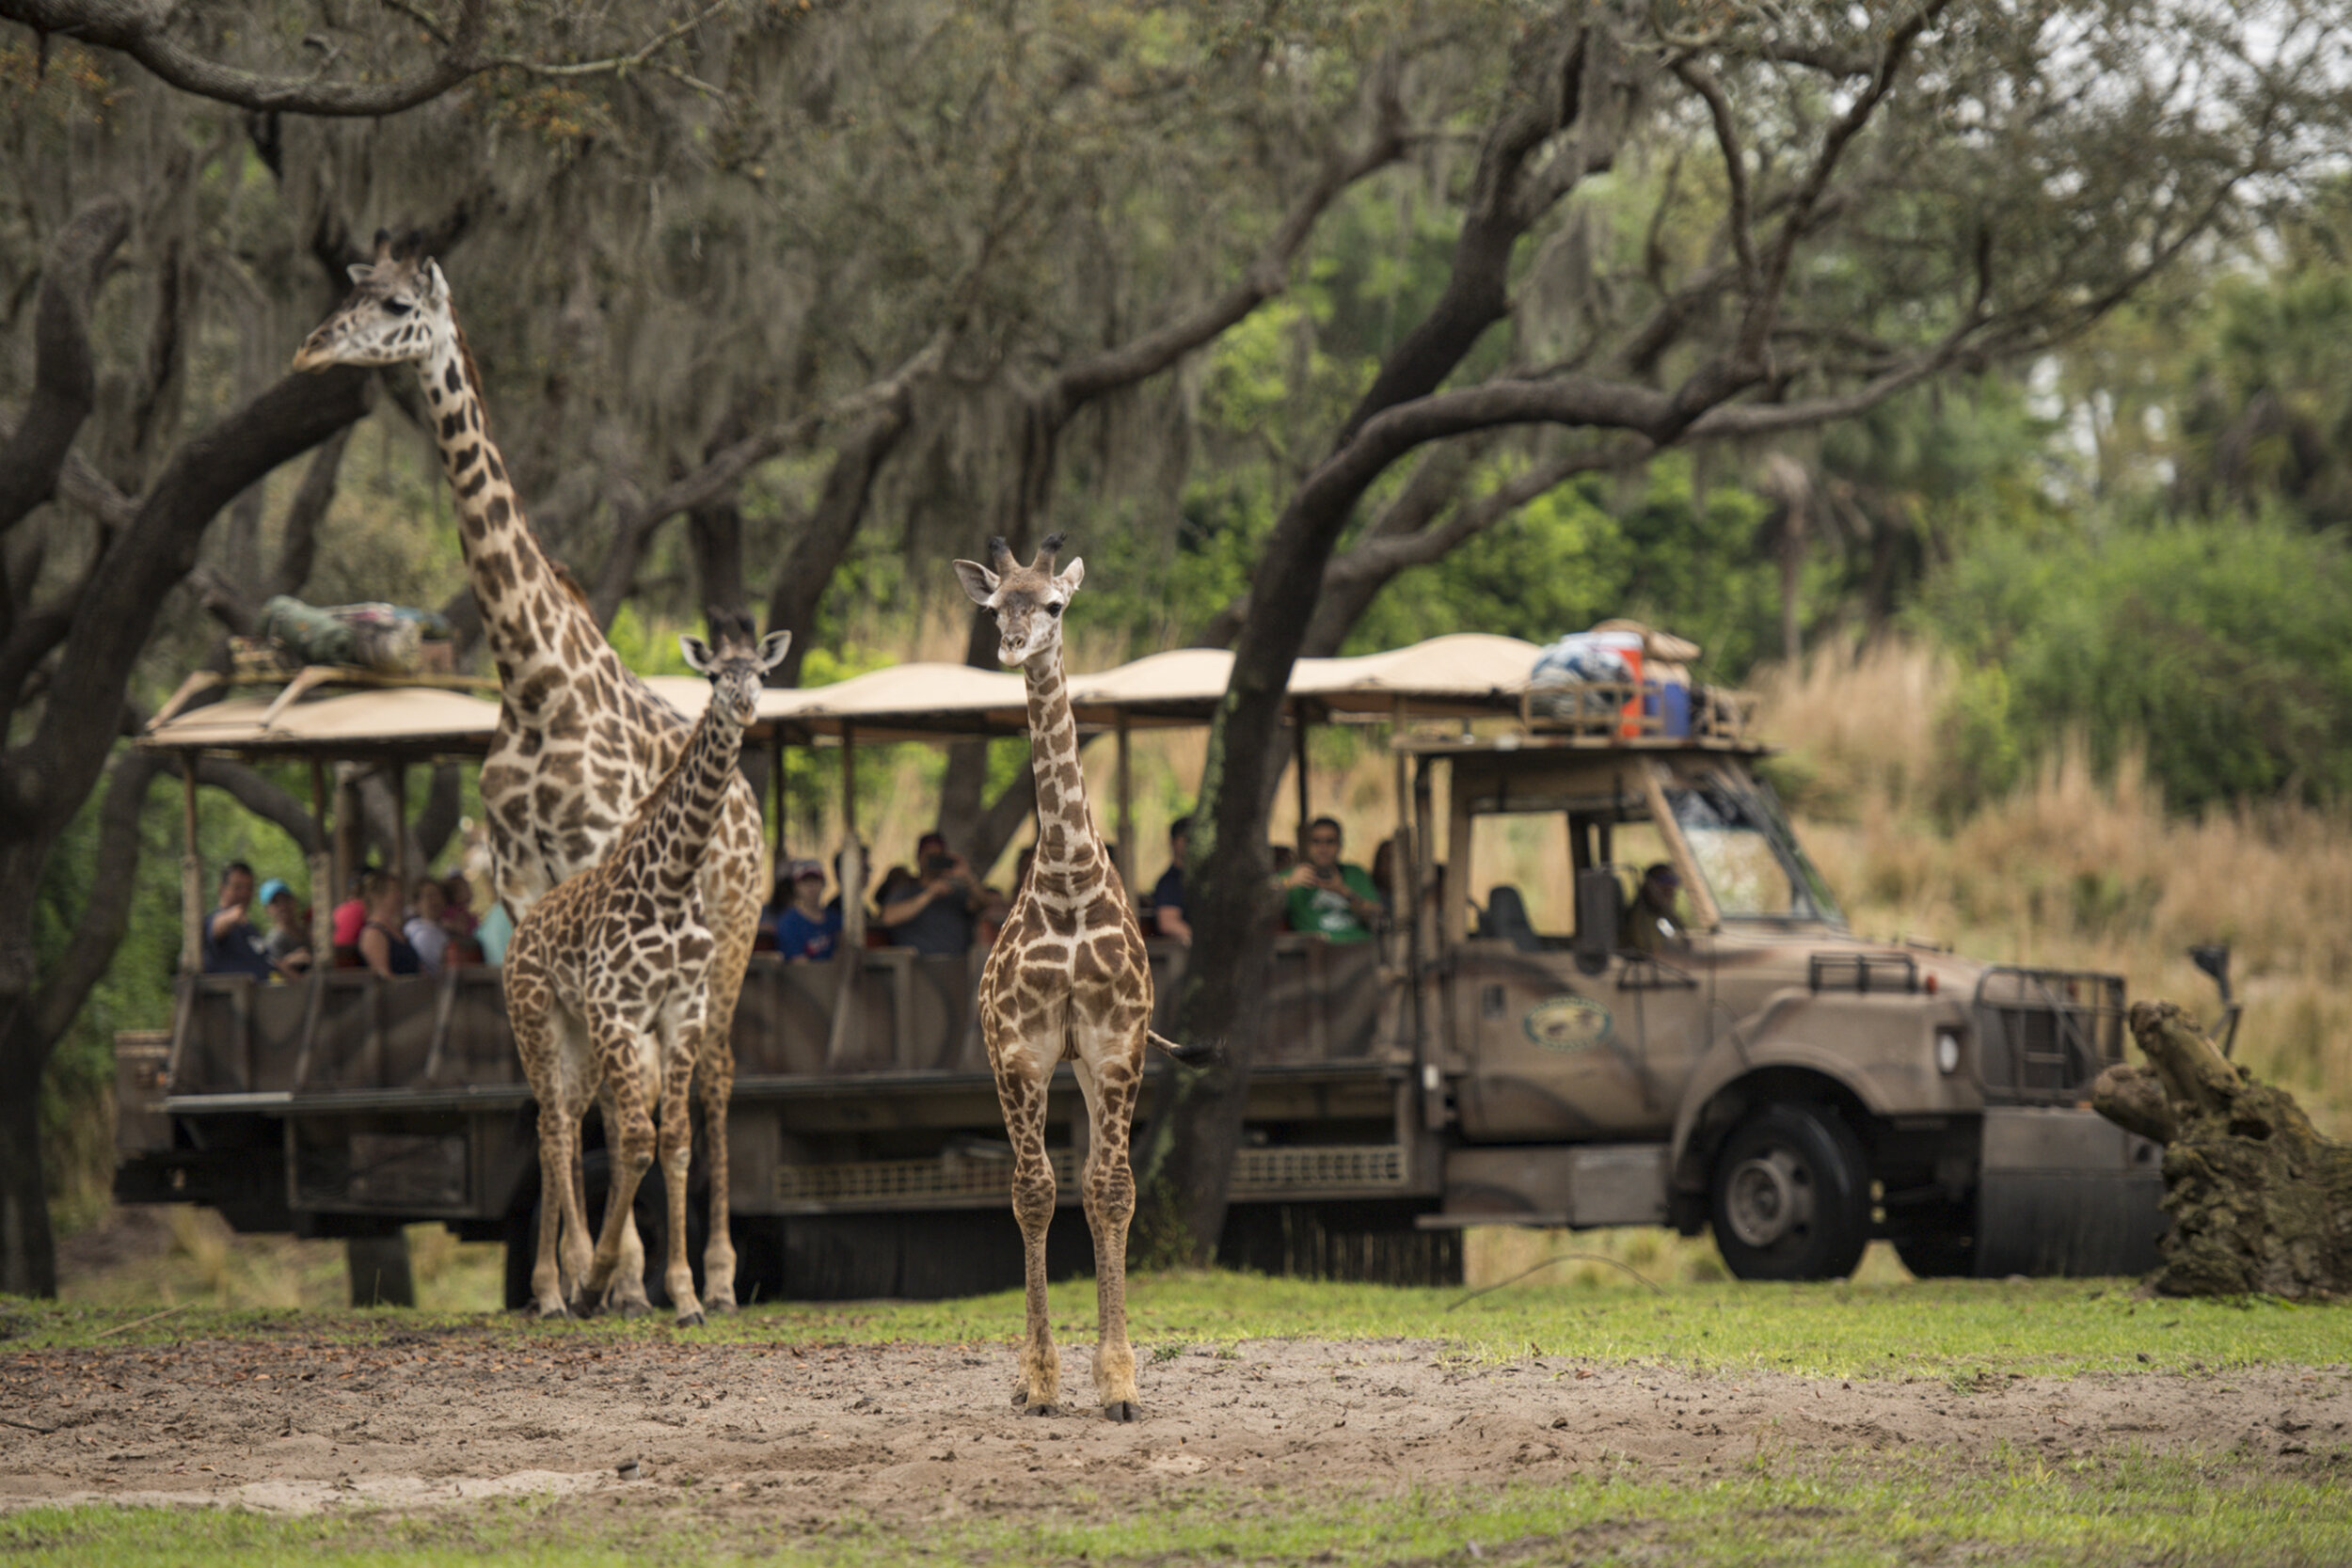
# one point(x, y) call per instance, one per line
point(684, 811)
point(1066, 840)
point(531, 620)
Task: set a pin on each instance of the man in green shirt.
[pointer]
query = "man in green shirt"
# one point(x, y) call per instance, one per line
point(1322, 895)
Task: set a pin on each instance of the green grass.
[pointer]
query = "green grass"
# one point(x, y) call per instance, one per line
point(1963, 1331)
point(2017, 1509)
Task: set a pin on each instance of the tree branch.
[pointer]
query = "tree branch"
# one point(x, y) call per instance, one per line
point(1268, 276)
point(136, 28)
point(64, 382)
point(113, 881)
point(1694, 75)
point(617, 573)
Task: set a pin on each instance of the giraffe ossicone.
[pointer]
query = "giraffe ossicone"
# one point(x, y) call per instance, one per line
point(581, 740)
point(606, 980)
point(1067, 979)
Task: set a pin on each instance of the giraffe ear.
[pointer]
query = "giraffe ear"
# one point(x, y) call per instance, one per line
point(431, 284)
point(1071, 575)
point(773, 648)
point(697, 652)
point(362, 272)
point(978, 581)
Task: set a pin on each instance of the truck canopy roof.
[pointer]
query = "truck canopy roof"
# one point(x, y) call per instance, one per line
point(1467, 675)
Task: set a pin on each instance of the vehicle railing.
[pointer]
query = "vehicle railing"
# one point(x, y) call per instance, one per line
point(2045, 1034)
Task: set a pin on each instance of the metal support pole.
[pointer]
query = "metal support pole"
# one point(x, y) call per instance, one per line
point(853, 858)
point(400, 827)
point(1299, 745)
point(321, 873)
point(191, 873)
point(1126, 809)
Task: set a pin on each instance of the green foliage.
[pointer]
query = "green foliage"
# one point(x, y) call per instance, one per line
point(1912, 1329)
point(1579, 555)
point(1781, 1507)
point(2224, 647)
point(135, 992)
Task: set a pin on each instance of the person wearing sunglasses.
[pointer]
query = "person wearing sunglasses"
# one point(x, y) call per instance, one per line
point(1326, 895)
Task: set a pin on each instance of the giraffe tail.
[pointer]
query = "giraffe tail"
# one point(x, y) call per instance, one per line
point(1191, 1056)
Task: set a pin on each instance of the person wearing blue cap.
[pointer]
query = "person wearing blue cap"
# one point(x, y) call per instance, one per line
point(287, 946)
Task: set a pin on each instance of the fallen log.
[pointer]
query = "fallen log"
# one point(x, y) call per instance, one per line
point(2260, 1200)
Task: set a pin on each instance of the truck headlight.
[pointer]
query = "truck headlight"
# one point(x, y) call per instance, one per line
point(1948, 1050)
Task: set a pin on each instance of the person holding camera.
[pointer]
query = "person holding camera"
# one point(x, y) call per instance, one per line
point(1323, 896)
point(937, 914)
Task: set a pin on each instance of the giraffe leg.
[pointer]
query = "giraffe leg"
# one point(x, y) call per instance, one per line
point(714, 1081)
point(677, 1153)
point(629, 1129)
point(626, 1291)
point(1021, 1084)
point(528, 1006)
point(1109, 1193)
point(714, 1055)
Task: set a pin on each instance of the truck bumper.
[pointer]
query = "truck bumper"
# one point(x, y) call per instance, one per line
point(2066, 1192)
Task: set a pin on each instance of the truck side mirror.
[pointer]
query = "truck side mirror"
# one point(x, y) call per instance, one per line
point(1597, 912)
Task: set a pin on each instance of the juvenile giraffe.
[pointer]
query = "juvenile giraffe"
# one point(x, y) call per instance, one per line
point(579, 740)
point(605, 986)
point(1067, 977)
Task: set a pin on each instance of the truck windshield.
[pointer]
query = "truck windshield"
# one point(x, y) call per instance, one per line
point(1750, 858)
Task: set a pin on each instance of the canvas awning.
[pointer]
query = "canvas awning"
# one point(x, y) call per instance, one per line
point(388, 723)
point(1467, 672)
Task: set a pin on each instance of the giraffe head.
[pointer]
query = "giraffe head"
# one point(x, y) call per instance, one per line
point(738, 667)
point(1027, 600)
point(398, 310)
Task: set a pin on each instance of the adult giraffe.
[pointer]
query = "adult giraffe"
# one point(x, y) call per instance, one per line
point(579, 740)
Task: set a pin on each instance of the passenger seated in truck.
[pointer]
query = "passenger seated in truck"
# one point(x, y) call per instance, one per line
point(424, 930)
point(936, 915)
point(1168, 893)
point(1322, 896)
point(383, 947)
point(231, 945)
point(287, 943)
point(1652, 922)
point(349, 916)
point(808, 930)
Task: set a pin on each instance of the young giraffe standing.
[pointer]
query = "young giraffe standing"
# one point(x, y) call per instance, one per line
point(1067, 977)
point(605, 986)
point(579, 740)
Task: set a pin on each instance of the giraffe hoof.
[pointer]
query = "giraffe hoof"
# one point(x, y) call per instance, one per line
point(558, 1310)
point(582, 1306)
point(689, 1320)
point(1121, 1410)
point(1038, 1409)
point(627, 1309)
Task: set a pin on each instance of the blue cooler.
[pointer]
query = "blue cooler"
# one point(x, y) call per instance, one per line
point(1670, 704)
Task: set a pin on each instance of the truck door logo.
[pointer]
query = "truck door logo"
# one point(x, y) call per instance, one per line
point(1569, 1024)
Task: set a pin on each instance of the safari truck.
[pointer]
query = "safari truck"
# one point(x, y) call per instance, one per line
point(1507, 1054)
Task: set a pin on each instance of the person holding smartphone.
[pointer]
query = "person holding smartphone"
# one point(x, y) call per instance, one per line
point(1326, 895)
point(937, 913)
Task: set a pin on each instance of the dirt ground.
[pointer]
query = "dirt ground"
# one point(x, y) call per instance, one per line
point(914, 1432)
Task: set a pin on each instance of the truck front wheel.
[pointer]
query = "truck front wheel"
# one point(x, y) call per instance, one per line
point(1792, 1196)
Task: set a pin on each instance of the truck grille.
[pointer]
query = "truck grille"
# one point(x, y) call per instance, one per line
point(2045, 1034)
point(1261, 1173)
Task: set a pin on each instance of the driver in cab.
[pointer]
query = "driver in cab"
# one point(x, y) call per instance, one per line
point(1653, 922)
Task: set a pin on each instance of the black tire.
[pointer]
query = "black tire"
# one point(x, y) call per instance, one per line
point(1937, 1240)
point(1791, 1195)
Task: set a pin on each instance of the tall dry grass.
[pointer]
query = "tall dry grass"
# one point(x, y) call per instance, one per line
point(2074, 869)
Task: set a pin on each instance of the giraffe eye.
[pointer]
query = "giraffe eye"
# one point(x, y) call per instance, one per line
point(1052, 610)
point(399, 306)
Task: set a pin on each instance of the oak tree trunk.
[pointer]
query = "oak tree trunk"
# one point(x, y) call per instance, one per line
point(2260, 1201)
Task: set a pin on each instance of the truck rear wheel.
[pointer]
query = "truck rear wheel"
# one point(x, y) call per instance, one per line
point(1792, 1196)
